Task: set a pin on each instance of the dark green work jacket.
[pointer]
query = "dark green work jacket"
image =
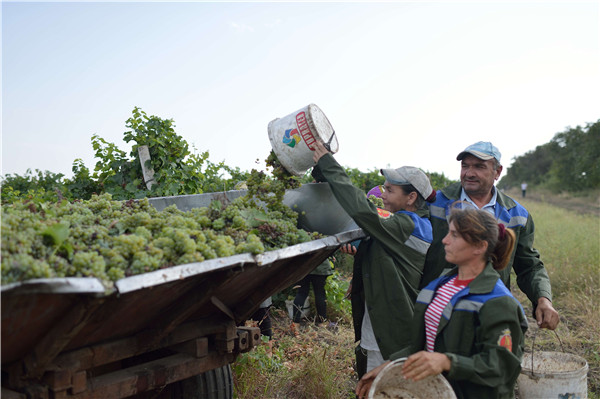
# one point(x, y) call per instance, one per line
point(482, 332)
point(532, 277)
point(388, 264)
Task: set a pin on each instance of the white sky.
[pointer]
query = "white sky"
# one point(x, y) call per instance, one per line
point(403, 83)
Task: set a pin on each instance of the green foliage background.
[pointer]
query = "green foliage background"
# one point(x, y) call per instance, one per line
point(178, 169)
point(569, 162)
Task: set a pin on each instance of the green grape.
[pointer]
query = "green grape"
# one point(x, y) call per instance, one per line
point(376, 200)
point(190, 258)
point(115, 273)
point(143, 262)
point(113, 259)
point(167, 245)
point(113, 239)
point(143, 232)
point(253, 244)
point(206, 251)
point(21, 267)
point(218, 224)
point(89, 264)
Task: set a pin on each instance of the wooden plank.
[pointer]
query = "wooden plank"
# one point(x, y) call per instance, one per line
point(222, 307)
point(224, 345)
point(148, 173)
point(197, 347)
point(97, 355)
point(37, 361)
point(79, 382)
point(150, 375)
point(225, 342)
point(6, 393)
point(36, 391)
point(58, 380)
point(181, 310)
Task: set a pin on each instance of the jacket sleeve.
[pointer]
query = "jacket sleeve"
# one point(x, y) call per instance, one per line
point(532, 277)
point(390, 232)
point(502, 325)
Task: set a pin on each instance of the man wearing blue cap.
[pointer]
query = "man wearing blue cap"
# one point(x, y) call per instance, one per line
point(480, 168)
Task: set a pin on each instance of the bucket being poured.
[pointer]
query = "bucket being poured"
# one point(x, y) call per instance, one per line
point(293, 137)
point(552, 375)
point(391, 384)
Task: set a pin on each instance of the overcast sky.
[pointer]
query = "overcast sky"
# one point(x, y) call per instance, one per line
point(403, 83)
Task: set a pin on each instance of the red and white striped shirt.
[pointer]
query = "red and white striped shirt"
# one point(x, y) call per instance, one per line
point(434, 311)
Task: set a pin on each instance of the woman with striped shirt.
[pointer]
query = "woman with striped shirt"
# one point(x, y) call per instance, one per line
point(467, 325)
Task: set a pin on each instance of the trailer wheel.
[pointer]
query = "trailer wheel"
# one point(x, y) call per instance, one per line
point(212, 384)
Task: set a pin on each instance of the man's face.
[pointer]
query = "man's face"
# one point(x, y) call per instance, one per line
point(477, 176)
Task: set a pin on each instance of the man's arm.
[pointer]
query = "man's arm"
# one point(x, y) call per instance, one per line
point(532, 277)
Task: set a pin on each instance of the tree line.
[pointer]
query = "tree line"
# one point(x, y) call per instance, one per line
point(569, 162)
point(178, 170)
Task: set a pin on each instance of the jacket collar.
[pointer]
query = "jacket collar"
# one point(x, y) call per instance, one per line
point(453, 191)
point(484, 282)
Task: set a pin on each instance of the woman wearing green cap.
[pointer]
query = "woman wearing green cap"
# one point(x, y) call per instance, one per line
point(389, 262)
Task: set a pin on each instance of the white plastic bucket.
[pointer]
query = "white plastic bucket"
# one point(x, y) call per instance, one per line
point(554, 375)
point(293, 137)
point(304, 311)
point(390, 384)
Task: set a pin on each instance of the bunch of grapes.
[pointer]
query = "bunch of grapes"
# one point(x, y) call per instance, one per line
point(280, 173)
point(376, 200)
point(114, 239)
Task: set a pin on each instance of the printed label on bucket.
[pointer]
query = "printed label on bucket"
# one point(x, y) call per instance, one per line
point(291, 137)
point(307, 135)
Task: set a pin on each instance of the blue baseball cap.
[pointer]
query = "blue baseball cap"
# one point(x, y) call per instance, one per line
point(483, 150)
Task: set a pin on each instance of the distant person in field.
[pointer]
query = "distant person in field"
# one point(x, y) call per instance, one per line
point(467, 324)
point(318, 279)
point(480, 168)
point(523, 189)
point(389, 262)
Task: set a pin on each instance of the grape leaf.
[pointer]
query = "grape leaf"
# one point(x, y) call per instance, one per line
point(56, 234)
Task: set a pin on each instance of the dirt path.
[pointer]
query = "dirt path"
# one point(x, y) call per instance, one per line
point(588, 205)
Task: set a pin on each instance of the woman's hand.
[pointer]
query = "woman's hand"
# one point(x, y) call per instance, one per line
point(362, 389)
point(320, 150)
point(424, 364)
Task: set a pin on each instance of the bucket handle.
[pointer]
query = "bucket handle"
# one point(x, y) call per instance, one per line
point(533, 343)
point(328, 144)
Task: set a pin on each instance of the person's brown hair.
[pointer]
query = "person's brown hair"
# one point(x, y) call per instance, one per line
point(476, 226)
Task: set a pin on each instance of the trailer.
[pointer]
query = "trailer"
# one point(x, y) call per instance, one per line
point(170, 333)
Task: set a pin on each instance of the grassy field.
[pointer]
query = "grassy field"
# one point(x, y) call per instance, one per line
point(569, 242)
point(317, 362)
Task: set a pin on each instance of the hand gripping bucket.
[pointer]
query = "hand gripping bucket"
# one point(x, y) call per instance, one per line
point(293, 137)
point(390, 384)
point(552, 375)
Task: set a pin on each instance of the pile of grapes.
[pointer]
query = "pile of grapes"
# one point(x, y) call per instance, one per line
point(114, 239)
